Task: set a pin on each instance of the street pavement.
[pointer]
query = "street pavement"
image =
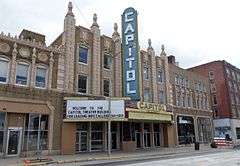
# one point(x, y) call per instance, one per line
point(218, 159)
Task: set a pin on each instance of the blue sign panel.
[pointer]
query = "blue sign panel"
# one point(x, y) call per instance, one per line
point(130, 54)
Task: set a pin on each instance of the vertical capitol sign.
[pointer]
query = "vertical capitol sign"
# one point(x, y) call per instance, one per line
point(130, 54)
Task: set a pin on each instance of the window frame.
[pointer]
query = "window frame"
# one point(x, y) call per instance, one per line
point(86, 83)
point(109, 56)
point(83, 47)
point(41, 66)
point(28, 74)
point(160, 74)
point(4, 58)
point(109, 87)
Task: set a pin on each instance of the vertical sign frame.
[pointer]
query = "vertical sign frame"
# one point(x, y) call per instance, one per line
point(131, 58)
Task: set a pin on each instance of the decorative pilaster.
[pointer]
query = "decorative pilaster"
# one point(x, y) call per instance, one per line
point(13, 65)
point(117, 62)
point(51, 61)
point(96, 56)
point(69, 45)
point(151, 52)
point(168, 88)
point(33, 68)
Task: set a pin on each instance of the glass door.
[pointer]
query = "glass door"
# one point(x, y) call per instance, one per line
point(14, 141)
point(83, 141)
point(138, 139)
point(114, 140)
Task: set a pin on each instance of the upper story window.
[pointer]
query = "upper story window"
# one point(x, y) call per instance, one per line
point(146, 72)
point(183, 81)
point(214, 99)
point(83, 55)
point(213, 87)
point(196, 86)
point(106, 87)
point(147, 95)
point(107, 61)
point(160, 78)
point(4, 63)
point(22, 73)
point(41, 74)
point(230, 85)
point(187, 83)
point(176, 79)
point(82, 84)
point(211, 75)
point(161, 97)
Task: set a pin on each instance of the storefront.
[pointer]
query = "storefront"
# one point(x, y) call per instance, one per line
point(191, 129)
point(149, 126)
point(86, 125)
point(25, 131)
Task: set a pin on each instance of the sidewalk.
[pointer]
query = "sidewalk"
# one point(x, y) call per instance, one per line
point(116, 155)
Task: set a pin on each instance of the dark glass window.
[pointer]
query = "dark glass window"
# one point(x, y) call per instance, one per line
point(160, 76)
point(106, 87)
point(22, 74)
point(3, 70)
point(83, 55)
point(41, 77)
point(107, 61)
point(82, 84)
point(161, 97)
point(238, 132)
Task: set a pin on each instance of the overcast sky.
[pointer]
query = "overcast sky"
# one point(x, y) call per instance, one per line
point(195, 31)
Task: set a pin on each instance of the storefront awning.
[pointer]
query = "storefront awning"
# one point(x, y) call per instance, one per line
point(24, 107)
point(140, 114)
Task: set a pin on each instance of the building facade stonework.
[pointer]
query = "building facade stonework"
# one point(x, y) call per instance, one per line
point(81, 64)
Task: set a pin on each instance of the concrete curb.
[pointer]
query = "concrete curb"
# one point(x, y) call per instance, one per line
point(133, 157)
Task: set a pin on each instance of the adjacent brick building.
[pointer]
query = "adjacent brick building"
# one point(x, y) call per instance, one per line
point(224, 84)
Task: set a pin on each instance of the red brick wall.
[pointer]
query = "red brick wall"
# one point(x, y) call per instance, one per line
point(222, 93)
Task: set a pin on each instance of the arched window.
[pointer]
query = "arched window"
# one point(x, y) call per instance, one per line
point(4, 69)
point(22, 73)
point(41, 77)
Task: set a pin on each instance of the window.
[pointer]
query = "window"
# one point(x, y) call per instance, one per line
point(176, 80)
point(147, 96)
point(83, 55)
point(160, 76)
point(107, 61)
point(178, 99)
point(36, 132)
point(228, 72)
point(22, 73)
point(213, 87)
point(106, 87)
point(214, 99)
point(4, 70)
point(161, 97)
point(183, 81)
point(187, 83)
point(146, 72)
point(82, 84)
point(238, 132)
point(232, 98)
point(211, 75)
point(41, 73)
point(189, 100)
point(2, 124)
point(183, 100)
point(230, 85)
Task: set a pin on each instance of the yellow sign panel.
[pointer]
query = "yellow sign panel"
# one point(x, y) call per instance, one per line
point(149, 116)
point(151, 107)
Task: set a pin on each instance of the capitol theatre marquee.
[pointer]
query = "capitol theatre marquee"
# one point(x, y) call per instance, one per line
point(130, 54)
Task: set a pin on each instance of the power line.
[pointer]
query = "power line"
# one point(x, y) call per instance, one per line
point(84, 18)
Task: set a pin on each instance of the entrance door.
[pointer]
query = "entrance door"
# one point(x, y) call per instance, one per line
point(81, 141)
point(146, 139)
point(14, 141)
point(138, 139)
point(114, 140)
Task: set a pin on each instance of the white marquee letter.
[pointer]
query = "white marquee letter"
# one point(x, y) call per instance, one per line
point(126, 17)
point(128, 89)
point(129, 28)
point(129, 38)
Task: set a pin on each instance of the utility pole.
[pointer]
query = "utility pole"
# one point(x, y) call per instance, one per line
point(109, 126)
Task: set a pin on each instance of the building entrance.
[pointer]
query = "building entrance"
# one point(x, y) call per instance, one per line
point(81, 141)
point(14, 141)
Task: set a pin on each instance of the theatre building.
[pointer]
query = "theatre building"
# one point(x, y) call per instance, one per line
point(191, 105)
point(94, 69)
